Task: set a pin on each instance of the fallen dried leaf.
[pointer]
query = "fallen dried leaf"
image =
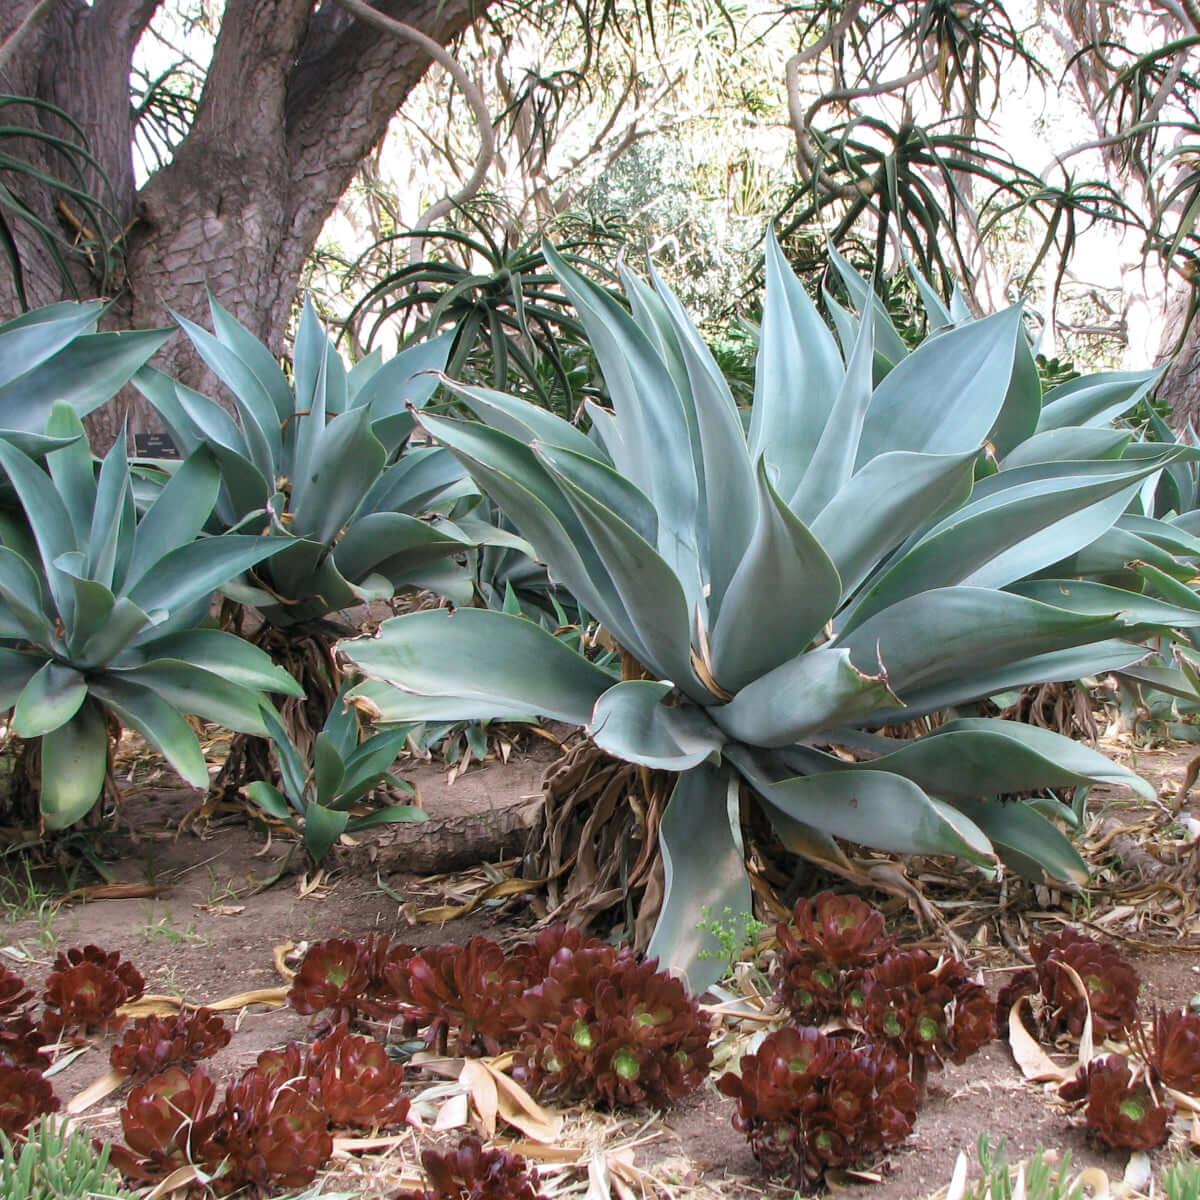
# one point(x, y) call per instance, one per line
point(476, 1078)
point(95, 1091)
point(521, 1110)
point(1036, 1065)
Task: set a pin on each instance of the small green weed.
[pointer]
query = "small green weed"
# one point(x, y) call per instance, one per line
point(57, 1164)
point(1181, 1180)
point(732, 931)
point(165, 927)
point(1044, 1180)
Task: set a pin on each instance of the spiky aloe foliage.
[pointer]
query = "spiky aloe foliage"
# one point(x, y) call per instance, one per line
point(1111, 981)
point(930, 1010)
point(808, 1102)
point(1121, 1109)
point(602, 1026)
point(1172, 1050)
point(849, 561)
point(472, 1173)
point(152, 1044)
point(342, 979)
point(821, 957)
point(58, 1162)
point(25, 1095)
point(355, 1083)
point(464, 997)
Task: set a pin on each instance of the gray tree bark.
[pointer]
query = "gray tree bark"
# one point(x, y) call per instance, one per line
point(296, 97)
point(1180, 386)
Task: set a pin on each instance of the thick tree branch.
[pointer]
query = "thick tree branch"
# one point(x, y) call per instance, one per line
point(18, 42)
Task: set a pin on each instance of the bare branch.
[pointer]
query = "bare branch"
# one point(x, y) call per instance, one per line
point(475, 98)
point(18, 41)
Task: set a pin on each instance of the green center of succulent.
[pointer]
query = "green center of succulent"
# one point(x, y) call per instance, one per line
point(804, 998)
point(822, 1141)
point(338, 974)
point(625, 1063)
point(551, 1063)
point(892, 1026)
point(1096, 984)
point(643, 1017)
point(927, 1029)
point(800, 1063)
point(1134, 1108)
point(824, 976)
point(581, 1035)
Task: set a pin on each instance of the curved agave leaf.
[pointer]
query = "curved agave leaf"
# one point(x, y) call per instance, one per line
point(224, 654)
point(74, 766)
point(1062, 445)
point(782, 594)
point(423, 477)
point(704, 869)
point(255, 357)
point(478, 654)
point(522, 420)
point(192, 689)
point(1095, 400)
point(1022, 405)
point(1086, 596)
point(1026, 842)
point(631, 722)
point(17, 668)
point(50, 699)
point(21, 593)
point(385, 704)
point(393, 544)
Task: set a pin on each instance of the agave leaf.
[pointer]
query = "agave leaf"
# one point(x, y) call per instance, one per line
point(884, 502)
point(178, 514)
point(1027, 842)
point(600, 481)
point(783, 592)
point(326, 495)
point(50, 699)
point(874, 808)
point(35, 338)
point(477, 654)
point(798, 374)
point(404, 382)
point(74, 766)
point(1095, 400)
point(113, 493)
point(367, 766)
point(1022, 404)
point(651, 317)
point(390, 814)
point(818, 689)
point(974, 361)
point(522, 420)
point(49, 521)
point(704, 869)
point(72, 470)
point(341, 725)
point(94, 605)
point(418, 480)
point(948, 633)
point(322, 828)
point(1111, 554)
point(889, 345)
point(271, 800)
point(110, 637)
point(257, 359)
point(387, 705)
point(207, 695)
point(1170, 680)
point(158, 721)
point(163, 394)
point(389, 542)
point(85, 374)
point(328, 769)
point(292, 771)
point(937, 314)
point(310, 359)
point(17, 668)
point(260, 421)
point(833, 459)
point(1063, 445)
point(21, 592)
point(631, 721)
point(1169, 537)
point(1005, 534)
point(1085, 596)
point(224, 654)
point(199, 568)
point(652, 417)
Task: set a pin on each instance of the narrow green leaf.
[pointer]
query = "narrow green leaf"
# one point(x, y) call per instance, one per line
point(201, 693)
point(1095, 400)
point(328, 769)
point(271, 800)
point(256, 357)
point(73, 472)
point(391, 814)
point(224, 654)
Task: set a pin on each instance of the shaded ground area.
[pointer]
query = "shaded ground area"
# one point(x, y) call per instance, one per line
point(204, 930)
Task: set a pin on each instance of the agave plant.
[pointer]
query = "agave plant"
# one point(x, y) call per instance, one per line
point(101, 614)
point(321, 803)
point(321, 464)
point(834, 568)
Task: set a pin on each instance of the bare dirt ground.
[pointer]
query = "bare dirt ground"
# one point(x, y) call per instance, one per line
point(202, 930)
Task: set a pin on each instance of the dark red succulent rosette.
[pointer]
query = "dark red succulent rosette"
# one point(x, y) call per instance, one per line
point(344, 979)
point(1172, 1050)
point(263, 1136)
point(22, 1042)
point(25, 1095)
point(843, 930)
point(164, 1121)
point(14, 995)
point(463, 996)
point(473, 1173)
point(152, 1044)
point(1121, 1109)
point(604, 1027)
point(82, 999)
point(1111, 982)
point(356, 1084)
point(808, 1102)
point(111, 960)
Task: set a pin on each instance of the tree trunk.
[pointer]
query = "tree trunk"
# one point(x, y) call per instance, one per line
point(1180, 345)
point(294, 100)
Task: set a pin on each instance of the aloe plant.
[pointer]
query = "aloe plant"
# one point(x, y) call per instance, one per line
point(322, 461)
point(795, 586)
point(320, 803)
point(102, 615)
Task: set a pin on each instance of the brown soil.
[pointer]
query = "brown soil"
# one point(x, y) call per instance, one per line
point(206, 934)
